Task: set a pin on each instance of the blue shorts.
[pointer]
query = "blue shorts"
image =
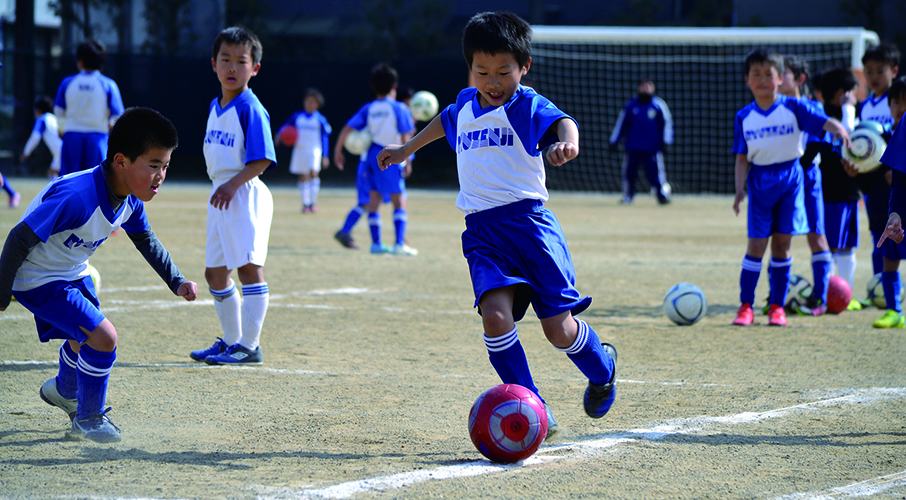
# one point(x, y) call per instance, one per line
point(814, 201)
point(385, 182)
point(522, 244)
point(842, 224)
point(61, 307)
point(82, 150)
point(892, 250)
point(776, 201)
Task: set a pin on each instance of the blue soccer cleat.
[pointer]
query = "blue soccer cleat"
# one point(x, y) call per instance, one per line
point(599, 398)
point(203, 354)
point(237, 355)
point(379, 248)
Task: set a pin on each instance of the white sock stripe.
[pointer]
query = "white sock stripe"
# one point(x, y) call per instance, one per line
point(781, 263)
point(502, 343)
point(751, 265)
point(226, 292)
point(581, 339)
point(64, 355)
point(87, 369)
point(255, 289)
point(400, 216)
point(359, 210)
point(822, 257)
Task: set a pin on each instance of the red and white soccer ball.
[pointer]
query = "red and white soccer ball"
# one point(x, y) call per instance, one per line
point(288, 135)
point(839, 295)
point(507, 423)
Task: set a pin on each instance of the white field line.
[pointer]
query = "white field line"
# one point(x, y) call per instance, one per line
point(861, 489)
point(592, 447)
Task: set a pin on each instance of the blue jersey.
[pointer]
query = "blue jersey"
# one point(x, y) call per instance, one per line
point(87, 102)
point(236, 135)
point(498, 149)
point(774, 137)
point(647, 126)
point(72, 216)
point(385, 119)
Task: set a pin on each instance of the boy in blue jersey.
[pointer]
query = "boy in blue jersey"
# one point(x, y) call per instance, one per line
point(389, 122)
point(238, 147)
point(309, 151)
point(515, 248)
point(45, 262)
point(87, 104)
point(792, 84)
point(647, 125)
point(47, 130)
point(880, 67)
point(893, 249)
point(769, 137)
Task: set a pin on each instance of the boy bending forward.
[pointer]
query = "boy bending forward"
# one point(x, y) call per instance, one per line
point(515, 247)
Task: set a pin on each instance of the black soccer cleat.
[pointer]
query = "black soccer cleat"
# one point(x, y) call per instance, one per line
point(599, 398)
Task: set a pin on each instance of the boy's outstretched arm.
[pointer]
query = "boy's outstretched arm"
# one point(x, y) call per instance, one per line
point(839, 131)
point(395, 154)
point(742, 172)
point(567, 148)
point(158, 257)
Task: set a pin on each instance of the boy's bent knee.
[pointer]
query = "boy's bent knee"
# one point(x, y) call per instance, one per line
point(103, 338)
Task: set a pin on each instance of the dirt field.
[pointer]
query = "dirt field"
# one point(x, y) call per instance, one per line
point(372, 362)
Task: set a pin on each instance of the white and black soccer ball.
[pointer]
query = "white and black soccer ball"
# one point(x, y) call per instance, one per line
point(798, 291)
point(685, 304)
point(423, 105)
point(875, 291)
point(868, 145)
point(357, 141)
point(96, 278)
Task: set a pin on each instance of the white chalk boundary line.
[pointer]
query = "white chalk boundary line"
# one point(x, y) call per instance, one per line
point(861, 489)
point(593, 447)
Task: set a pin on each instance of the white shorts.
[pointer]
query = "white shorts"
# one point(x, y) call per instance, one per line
point(305, 161)
point(238, 235)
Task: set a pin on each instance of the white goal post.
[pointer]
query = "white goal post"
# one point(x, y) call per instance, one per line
point(591, 72)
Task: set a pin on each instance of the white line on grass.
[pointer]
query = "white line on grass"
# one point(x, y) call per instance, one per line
point(592, 447)
point(861, 489)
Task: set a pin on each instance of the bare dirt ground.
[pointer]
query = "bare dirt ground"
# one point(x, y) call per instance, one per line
point(372, 363)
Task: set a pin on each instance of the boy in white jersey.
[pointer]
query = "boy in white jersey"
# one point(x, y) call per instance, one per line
point(46, 130)
point(87, 105)
point(769, 137)
point(310, 147)
point(389, 122)
point(881, 65)
point(238, 147)
point(515, 248)
point(45, 262)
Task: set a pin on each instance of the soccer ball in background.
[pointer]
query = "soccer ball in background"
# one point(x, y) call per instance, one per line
point(875, 290)
point(685, 304)
point(357, 141)
point(423, 105)
point(799, 290)
point(839, 295)
point(868, 145)
point(95, 278)
point(288, 135)
point(507, 423)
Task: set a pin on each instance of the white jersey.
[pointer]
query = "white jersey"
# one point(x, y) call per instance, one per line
point(498, 149)
point(875, 109)
point(385, 119)
point(88, 102)
point(46, 129)
point(311, 143)
point(776, 137)
point(72, 216)
point(237, 135)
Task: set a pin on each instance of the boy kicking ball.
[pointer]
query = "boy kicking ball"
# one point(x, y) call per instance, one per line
point(45, 262)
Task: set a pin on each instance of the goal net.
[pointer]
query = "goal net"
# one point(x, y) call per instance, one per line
point(591, 73)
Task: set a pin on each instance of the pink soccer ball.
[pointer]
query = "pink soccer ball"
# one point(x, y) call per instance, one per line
point(507, 423)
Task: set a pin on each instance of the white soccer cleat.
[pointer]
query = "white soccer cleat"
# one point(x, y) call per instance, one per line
point(404, 250)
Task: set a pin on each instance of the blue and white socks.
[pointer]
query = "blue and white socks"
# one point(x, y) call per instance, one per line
point(255, 298)
point(846, 265)
point(93, 372)
point(508, 359)
point(780, 280)
point(822, 263)
point(400, 218)
point(748, 279)
point(374, 223)
point(354, 215)
point(67, 378)
point(890, 280)
point(227, 304)
point(588, 355)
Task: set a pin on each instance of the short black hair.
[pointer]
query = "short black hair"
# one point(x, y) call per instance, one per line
point(798, 67)
point(239, 35)
point(897, 90)
point(836, 79)
point(764, 55)
point(405, 93)
point(311, 91)
point(138, 130)
point(44, 104)
point(886, 53)
point(497, 33)
point(383, 79)
point(92, 53)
